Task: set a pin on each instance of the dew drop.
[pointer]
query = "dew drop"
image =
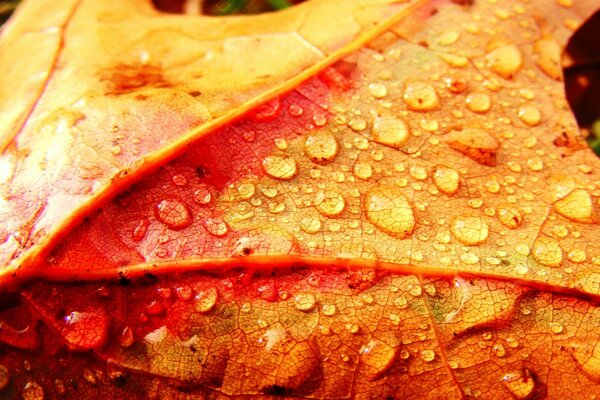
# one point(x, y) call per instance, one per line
point(139, 232)
point(246, 190)
point(547, 251)
point(420, 96)
point(126, 339)
point(577, 256)
point(305, 301)
point(476, 144)
point(90, 377)
point(362, 170)
point(446, 179)
point(295, 110)
point(206, 299)
point(470, 231)
point(390, 131)
point(377, 90)
point(179, 180)
point(280, 167)
point(428, 355)
point(377, 357)
point(215, 226)
point(557, 328)
point(86, 330)
point(576, 206)
point(328, 309)
point(505, 61)
point(499, 350)
point(510, 217)
point(310, 224)
point(352, 328)
point(202, 194)
point(320, 146)
point(530, 114)
point(479, 102)
point(32, 391)
point(329, 203)
point(535, 164)
point(173, 213)
point(417, 172)
point(4, 377)
point(521, 384)
point(390, 211)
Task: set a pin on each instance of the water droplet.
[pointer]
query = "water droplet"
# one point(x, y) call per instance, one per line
point(357, 124)
point(446, 179)
point(295, 110)
point(547, 56)
point(469, 258)
point(378, 90)
point(206, 299)
point(126, 339)
point(547, 251)
point(505, 61)
point(179, 180)
point(415, 290)
point(417, 172)
point(510, 217)
point(401, 302)
point(530, 114)
point(352, 328)
point(390, 131)
point(32, 391)
point(521, 384)
point(328, 309)
point(362, 170)
point(390, 211)
point(428, 355)
point(479, 102)
point(310, 224)
point(576, 206)
point(448, 38)
point(246, 190)
point(557, 328)
point(535, 164)
point(305, 301)
point(139, 232)
point(90, 377)
point(499, 350)
point(215, 226)
point(577, 256)
point(202, 194)
point(377, 357)
point(4, 377)
point(476, 144)
point(329, 202)
point(86, 330)
point(470, 231)
point(421, 96)
point(280, 167)
point(173, 213)
point(320, 146)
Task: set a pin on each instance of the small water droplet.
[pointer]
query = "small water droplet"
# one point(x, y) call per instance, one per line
point(421, 96)
point(206, 299)
point(320, 146)
point(329, 203)
point(547, 251)
point(60, 387)
point(280, 167)
point(416, 290)
point(535, 164)
point(505, 61)
point(86, 330)
point(390, 211)
point(139, 232)
point(401, 302)
point(352, 328)
point(328, 309)
point(173, 213)
point(530, 114)
point(428, 355)
point(32, 391)
point(310, 224)
point(377, 90)
point(90, 377)
point(470, 231)
point(557, 328)
point(499, 350)
point(362, 170)
point(390, 131)
point(577, 256)
point(202, 194)
point(477, 144)
point(446, 179)
point(520, 383)
point(179, 180)
point(305, 301)
point(479, 102)
point(510, 217)
point(576, 206)
point(357, 124)
point(417, 172)
point(377, 357)
point(126, 339)
point(215, 226)
point(295, 110)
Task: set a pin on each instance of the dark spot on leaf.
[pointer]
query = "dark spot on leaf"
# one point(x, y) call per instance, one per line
point(124, 280)
point(275, 390)
point(123, 78)
point(202, 171)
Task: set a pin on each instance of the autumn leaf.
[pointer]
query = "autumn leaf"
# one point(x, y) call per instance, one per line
point(353, 199)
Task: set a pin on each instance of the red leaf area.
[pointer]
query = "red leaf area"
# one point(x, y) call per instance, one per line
point(376, 232)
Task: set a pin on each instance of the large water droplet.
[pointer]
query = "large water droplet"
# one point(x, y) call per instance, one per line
point(446, 179)
point(390, 211)
point(547, 251)
point(86, 330)
point(329, 202)
point(421, 96)
point(506, 61)
point(280, 167)
point(547, 55)
point(390, 131)
point(173, 213)
point(470, 231)
point(362, 170)
point(126, 339)
point(476, 144)
point(206, 299)
point(576, 206)
point(377, 357)
point(520, 383)
point(320, 146)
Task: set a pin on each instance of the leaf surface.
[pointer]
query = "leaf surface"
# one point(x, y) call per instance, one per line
point(402, 208)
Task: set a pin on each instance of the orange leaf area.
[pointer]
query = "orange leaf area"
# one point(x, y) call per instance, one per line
point(397, 207)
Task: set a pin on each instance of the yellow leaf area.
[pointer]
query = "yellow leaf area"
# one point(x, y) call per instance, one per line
point(94, 93)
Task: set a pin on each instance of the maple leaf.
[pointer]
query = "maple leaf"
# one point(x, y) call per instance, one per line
point(395, 205)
